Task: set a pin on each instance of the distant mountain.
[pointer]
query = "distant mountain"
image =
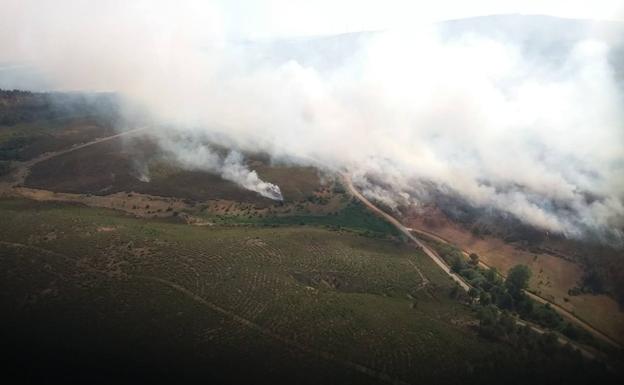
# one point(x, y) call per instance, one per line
point(545, 38)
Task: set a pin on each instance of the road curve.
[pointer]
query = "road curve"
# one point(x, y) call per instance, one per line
point(426, 249)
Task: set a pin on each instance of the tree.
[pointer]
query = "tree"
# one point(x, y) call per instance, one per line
point(457, 264)
point(492, 276)
point(505, 301)
point(473, 293)
point(524, 306)
point(488, 322)
point(485, 298)
point(474, 259)
point(518, 279)
point(507, 322)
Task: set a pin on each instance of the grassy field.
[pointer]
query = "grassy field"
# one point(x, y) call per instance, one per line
point(92, 290)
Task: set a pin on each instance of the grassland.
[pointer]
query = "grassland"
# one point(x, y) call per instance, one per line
point(99, 291)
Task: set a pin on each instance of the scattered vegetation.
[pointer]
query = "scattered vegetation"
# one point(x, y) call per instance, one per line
point(502, 326)
point(489, 289)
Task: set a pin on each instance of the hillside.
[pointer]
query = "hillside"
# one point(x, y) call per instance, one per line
point(137, 249)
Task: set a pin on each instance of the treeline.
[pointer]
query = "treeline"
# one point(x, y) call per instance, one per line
point(18, 106)
point(541, 355)
point(498, 303)
point(489, 289)
point(603, 274)
point(23, 106)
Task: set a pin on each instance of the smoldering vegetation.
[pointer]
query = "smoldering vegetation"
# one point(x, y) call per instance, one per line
point(192, 153)
point(519, 115)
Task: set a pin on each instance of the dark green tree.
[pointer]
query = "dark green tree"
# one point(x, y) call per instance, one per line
point(485, 298)
point(505, 301)
point(473, 293)
point(492, 276)
point(518, 279)
point(457, 264)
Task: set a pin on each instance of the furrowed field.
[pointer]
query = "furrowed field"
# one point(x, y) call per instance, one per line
point(296, 304)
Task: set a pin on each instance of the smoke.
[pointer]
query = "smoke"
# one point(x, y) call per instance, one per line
point(525, 122)
point(141, 171)
point(234, 170)
point(192, 154)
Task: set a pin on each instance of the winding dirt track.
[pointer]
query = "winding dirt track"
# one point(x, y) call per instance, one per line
point(21, 172)
point(405, 231)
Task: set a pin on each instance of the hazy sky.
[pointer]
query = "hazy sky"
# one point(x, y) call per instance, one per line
point(250, 19)
point(254, 18)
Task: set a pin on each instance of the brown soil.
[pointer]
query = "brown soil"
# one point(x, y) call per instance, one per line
point(552, 276)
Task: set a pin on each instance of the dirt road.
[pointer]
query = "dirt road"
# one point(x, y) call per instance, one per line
point(21, 172)
point(432, 254)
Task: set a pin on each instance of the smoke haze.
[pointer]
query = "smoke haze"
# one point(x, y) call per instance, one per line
point(529, 124)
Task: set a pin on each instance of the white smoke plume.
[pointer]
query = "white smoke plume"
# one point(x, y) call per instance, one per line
point(234, 170)
point(528, 122)
point(192, 154)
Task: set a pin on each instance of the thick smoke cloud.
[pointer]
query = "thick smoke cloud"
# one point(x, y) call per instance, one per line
point(536, 132)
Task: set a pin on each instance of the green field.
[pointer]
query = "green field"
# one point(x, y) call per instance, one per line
point(351, 216)
point(286, 304)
